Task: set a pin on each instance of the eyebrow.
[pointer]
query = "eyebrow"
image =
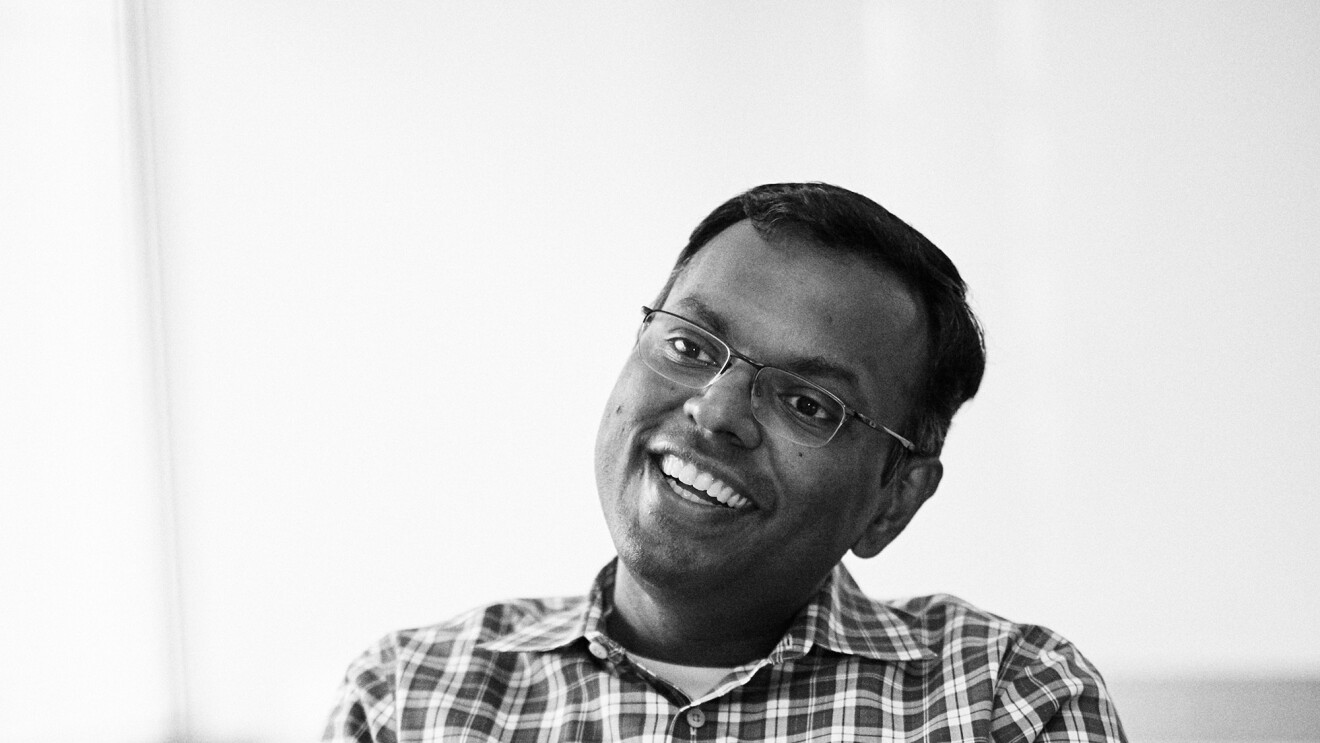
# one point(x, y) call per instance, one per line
point(695, 309)
point(813, 367)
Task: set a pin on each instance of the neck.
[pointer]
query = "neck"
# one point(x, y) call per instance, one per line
point(725, 629)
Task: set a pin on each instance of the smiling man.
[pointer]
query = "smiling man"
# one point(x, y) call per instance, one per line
point(785, 403)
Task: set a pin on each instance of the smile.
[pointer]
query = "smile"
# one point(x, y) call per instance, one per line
point(711, 487)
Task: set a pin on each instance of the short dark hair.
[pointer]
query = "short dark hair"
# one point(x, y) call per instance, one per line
point(840, 219)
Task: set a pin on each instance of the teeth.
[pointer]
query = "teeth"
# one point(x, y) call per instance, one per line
point(688, 474)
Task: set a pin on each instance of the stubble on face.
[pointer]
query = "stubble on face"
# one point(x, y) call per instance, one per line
point(780, 303)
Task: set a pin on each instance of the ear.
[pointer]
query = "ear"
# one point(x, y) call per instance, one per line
point(909, 489)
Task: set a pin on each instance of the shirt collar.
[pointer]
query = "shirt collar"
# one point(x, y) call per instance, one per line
point(577, 619)
point(840, 618)
point(843, 619)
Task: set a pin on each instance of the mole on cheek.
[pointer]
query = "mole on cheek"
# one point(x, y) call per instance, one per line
point(618, 410)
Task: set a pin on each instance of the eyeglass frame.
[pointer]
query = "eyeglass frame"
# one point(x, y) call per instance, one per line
point(848, 410)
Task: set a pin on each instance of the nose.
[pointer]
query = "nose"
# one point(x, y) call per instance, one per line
point(723, 410)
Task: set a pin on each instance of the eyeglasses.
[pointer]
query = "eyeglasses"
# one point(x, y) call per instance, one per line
point(787, 405)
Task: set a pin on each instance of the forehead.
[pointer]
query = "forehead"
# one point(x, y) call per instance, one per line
point(787, 301)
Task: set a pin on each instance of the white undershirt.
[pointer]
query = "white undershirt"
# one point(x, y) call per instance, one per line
point(694, 681)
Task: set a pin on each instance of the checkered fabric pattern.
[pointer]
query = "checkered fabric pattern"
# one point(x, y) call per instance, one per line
point(849, 668)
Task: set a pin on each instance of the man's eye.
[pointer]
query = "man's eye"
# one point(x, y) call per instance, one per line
point(688, 350)
point(809, 407)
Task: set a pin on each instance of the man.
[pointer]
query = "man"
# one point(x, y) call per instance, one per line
point(786, 402)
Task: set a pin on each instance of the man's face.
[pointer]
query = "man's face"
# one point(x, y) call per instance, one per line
point(793, 306)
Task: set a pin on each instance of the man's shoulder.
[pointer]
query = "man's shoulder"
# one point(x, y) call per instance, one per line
point(498, 619)
point(1031, 677)
point(939, 614)
point(945, 623)
point(529, 620)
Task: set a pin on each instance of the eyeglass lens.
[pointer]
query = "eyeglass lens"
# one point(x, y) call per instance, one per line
point(786, 404)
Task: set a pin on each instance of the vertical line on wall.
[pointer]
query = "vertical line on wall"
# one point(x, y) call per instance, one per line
point(139, 137)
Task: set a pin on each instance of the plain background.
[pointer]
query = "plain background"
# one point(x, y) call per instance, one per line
point(309, 310)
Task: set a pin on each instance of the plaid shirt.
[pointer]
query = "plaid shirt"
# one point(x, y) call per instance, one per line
point(849, 668)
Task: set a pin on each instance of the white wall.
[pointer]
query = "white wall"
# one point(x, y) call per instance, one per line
point(402, 247)
point(84, 569)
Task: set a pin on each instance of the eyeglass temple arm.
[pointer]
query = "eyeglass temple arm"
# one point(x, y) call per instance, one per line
point(906, 443)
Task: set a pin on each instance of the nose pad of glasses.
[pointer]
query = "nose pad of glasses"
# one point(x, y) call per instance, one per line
point(757, 386)
point(729, 371)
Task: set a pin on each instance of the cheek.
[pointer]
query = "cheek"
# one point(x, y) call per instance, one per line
point(797, 464)
point(639, 399)
point(825, 479)
point(618, 408)
point(802, 476)
point(609, 435)
point(624, 416)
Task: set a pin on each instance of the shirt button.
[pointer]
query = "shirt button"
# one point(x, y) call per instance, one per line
point(695, 717)
point(598, 650)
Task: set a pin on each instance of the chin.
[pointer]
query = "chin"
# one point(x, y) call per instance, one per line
point(666, 565)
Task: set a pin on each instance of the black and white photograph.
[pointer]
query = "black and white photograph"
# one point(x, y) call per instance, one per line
point(720, 370)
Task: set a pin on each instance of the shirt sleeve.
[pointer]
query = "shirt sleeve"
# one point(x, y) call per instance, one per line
point(365, 709)
point(1051, 694)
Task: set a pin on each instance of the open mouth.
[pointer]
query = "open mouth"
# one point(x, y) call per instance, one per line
point(693, 484)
